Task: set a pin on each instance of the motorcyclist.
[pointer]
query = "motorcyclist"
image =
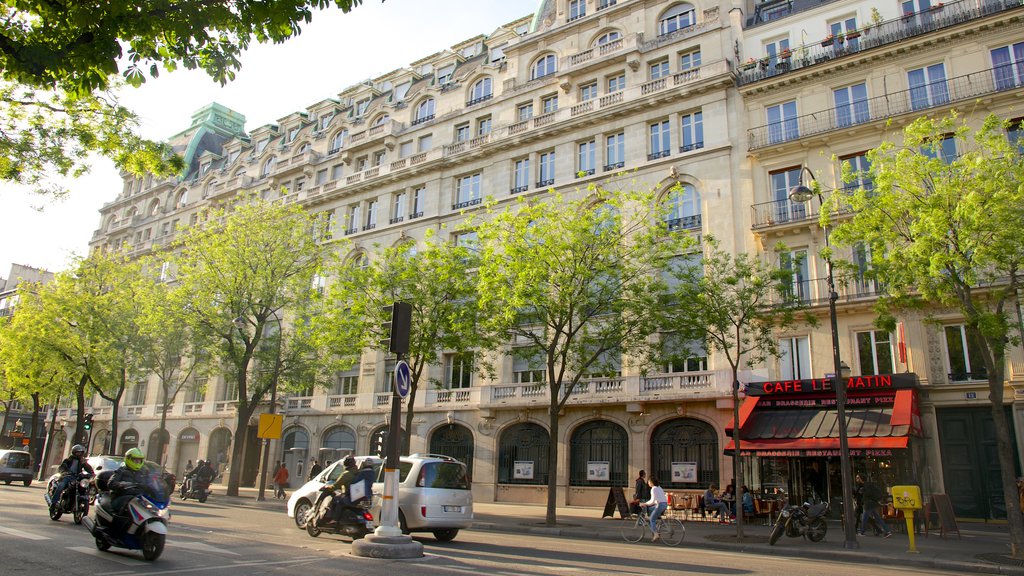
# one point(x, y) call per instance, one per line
point(342, 484)
point(127, 482)
point(202, 475)
point(69, 469)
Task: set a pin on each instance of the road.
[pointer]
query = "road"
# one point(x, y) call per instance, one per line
point(233, 537)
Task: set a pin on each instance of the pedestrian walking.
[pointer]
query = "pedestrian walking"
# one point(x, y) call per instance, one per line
point(281, 479)
point(873, 496)
point(188, 466)
point(641, 492)
point(315, 469)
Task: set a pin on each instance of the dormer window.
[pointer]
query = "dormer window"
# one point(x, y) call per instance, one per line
point(402, 90)
point(361, 107)
point(544, 66)
point(325, 120)
point(294, 133)
point(233, 155)
point(444, 75)
point(262, 145)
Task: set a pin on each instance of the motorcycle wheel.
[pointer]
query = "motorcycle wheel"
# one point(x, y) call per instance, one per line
point(56, 512)
point(311, 529)
point(777, 531)
point(152, 545)
point(202, 499)
point(81, 512)
point(101, 544)
point(817, 530)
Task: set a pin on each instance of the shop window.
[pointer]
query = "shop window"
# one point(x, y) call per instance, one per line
point(599, 455)
point(684, 442)
point(523, 455)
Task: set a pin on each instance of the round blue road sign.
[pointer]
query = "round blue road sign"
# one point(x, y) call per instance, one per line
point(403, 379)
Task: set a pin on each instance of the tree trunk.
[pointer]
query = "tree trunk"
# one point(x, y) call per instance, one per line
point(737, 464)
point(33, 443)
point(551, 519)
point(238, 447)
point(1007, 463)
point(7, 414)
point(80, 397)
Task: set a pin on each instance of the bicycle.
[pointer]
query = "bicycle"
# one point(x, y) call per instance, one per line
point(670, 530)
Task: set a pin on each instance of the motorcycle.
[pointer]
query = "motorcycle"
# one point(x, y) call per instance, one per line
point(356, 520)
point(195, 489)
point(806, 520)
point(144, 525)
point(73, 500)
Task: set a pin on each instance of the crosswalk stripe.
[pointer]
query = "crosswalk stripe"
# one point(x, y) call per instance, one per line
point(113, 557)
point(199, 546)
point(22, 534)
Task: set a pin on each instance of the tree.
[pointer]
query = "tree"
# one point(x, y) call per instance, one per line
point(945, 232)
point(238, 271)
point(59, 62)
point(578, 281)
point(437, 280)
point(726, 303)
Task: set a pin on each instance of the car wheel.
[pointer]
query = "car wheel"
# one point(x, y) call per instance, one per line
point(446, 534)
point(27, 482)
point(8, 482)
point(402, 523)
point(301, 512)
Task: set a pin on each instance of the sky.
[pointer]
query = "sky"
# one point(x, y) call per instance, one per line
point(333, 52)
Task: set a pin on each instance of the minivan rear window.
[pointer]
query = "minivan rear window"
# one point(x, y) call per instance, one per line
point(18, 460)
point(449, 475)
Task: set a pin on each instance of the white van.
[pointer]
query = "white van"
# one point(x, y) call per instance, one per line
point(434, 494)
point(15, 466)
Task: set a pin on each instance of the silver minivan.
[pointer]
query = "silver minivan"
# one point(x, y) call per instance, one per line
point(15, 466)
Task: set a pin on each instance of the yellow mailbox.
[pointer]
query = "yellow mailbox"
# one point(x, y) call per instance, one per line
point(908, 499)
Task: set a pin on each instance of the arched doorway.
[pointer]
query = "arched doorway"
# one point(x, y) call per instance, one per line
point(219, 449)
point(456, 441)
point(378, 441)
point(159, 441)
point(680, 445)
point(129, 439)
point(188, 450)
point(296, 447)
point(599, 455)
point(100, 442)
point(523, 454)
point(338, 442)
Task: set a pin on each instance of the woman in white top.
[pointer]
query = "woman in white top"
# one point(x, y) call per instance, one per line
point(658, 504)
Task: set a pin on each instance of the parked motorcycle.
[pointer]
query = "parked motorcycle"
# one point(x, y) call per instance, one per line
point(73, 500)
point(806, 520)
point(144, 525)
point(194, 489)
point(356, 520)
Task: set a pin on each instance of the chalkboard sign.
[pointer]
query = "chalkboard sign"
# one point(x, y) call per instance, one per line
point(943, 508)
point(616, 499)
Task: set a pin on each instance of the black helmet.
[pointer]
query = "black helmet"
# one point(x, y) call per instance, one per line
point(348, 462)
point(78, 450)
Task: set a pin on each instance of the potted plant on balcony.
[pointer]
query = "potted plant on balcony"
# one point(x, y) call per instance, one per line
point(828, 39)
point(785, 54)
point(851, 34)
point(936, 7)
point(749, 64)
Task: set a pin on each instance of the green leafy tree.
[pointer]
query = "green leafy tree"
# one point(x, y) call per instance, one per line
point(579, 282)
point(945, 232)
point(437, 279)
point(27, 373)
point(729, 304)
point(239, 270)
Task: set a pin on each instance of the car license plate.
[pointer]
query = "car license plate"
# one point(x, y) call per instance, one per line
point(453, 509)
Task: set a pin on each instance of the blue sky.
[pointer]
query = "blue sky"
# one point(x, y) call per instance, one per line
point(333, 52)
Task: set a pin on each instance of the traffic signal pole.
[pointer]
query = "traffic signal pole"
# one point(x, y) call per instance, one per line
point(389, 524)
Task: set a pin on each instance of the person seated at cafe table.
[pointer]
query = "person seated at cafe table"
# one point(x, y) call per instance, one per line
point(729, 497)
point(713, 503)
point(748, 502)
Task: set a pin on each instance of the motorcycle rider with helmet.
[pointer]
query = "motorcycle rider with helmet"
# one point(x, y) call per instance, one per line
point(342, 483)
point(126, 483)
point(69, 469)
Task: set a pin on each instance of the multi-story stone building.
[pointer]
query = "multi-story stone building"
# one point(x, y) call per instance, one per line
point(606, 92)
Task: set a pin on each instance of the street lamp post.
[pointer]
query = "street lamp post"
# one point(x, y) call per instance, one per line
point(802, 193)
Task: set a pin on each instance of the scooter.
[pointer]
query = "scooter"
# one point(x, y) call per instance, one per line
point(356, 520)
point(807, 520)
point(74, 499)
point(144, 528)
point(195, 489)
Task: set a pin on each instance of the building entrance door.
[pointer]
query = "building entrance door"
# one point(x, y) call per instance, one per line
point(970, 464)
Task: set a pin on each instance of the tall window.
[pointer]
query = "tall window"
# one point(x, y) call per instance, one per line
point(795, 361)
point(586, 157)
point(677, 17)
point(467, 190)
point(616, 83)
point(424, 143)
point(945, 151)
point(782, 122)
point(419, 199)
point(424, 111)
point(659, 70)
point(851, 105)
point(139, 392)
point(842, 27)
point(544, 65)
point(521, 176)
point(689, 60)
point(546, 175)
point(353, 219)
point(799, 285)
point(577, 9)
point(861, 169)
point(964, 355)
point(371, 215)
point(874, 349)
point(268, 166)
point(588, 92)
point(400, 205)
point(483, 126)
point(338, 141)
point(458, 371)
point(692, 126)
point(1008, 66)
point(599, 441)
point(549, 103)
point(615, 151)
point(337, 170)
point(928, 86)
point(683, 208)
point(481, 91)
point(462, 132)
point(526, 367)
point(525, 111)
point(660, 137)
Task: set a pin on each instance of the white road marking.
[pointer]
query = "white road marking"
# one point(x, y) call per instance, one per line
point(199, 546)
point(113, 557)
point(22, 534)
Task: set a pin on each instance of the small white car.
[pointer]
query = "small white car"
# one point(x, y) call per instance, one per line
point(433, 495)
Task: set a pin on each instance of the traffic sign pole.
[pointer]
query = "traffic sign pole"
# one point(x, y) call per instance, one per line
point(389, 525)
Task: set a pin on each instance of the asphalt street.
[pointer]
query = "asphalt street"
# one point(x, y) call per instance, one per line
point(225, 538)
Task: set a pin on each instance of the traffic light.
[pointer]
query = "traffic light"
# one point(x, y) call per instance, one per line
point(381, 445)
point(87, 422)
point(397, 321)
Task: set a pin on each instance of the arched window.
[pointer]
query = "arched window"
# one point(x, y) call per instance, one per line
point(481, 90)
point(523, 455)
point(296, 438)
point(338, 141)
point(268, 166)
point(209, 189)
point(676, 18)
point(182, 199)
point(305, 146)
point(684, 440)
point(381, 119)
point(456, 441)
point(544, 65)
point(424, 111)
point(340, 438)
point(599, 455)
point(683, 207)
point(154, 207)
point(608, 38)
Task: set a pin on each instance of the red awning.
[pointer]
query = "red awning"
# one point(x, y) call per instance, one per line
point(902, 409)
point(746, 409)
point(819, 444)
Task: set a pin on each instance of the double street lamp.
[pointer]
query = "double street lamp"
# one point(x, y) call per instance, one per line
point(801, 193)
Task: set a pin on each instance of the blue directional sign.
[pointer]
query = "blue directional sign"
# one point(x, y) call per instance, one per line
point(403, 379)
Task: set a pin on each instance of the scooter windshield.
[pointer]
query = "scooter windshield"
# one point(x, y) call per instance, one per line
point(156, 489)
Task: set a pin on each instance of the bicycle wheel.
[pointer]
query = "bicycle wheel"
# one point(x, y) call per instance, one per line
point(633, 529)
point(671, 531)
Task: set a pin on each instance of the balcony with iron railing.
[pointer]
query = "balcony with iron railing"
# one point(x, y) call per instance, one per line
point(814, 291)
point(781, 213)
point(880, 108)
point(889, 32)
point(693, 222)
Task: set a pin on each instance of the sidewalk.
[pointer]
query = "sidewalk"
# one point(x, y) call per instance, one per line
point(981, 549)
